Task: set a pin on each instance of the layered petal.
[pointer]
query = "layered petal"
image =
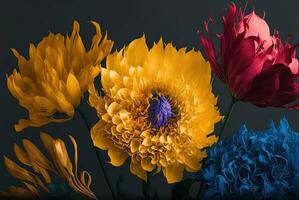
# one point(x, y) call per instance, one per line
point(253, 165)
point(254, 64)
point(157, 108)
point(59, 70)
point(58, 163)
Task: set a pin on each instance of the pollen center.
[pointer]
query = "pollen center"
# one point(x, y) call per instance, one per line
point(159, 111)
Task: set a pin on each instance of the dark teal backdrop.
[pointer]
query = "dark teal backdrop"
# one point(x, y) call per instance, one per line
point(25, 21)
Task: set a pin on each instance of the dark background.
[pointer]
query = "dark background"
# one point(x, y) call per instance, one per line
point(177, 21)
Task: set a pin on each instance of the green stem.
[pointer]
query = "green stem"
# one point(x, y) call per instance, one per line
point(227, 116)
point(97, 153)
point(146, 187)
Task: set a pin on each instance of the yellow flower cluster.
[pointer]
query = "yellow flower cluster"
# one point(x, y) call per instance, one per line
point(158, 108)
point(36, 183)
point(51, 83)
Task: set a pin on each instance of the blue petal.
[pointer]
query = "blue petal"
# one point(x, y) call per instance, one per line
point(258, 164)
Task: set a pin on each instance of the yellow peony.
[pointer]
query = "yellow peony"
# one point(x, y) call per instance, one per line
point(37, 182)
point(51, 83)
point(158, 108)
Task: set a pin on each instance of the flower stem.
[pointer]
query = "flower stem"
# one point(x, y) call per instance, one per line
point(227, 116)
point(146, 187)
point(97, 153)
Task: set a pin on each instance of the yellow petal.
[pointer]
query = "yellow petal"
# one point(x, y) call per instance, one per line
point(193, 163)
point(99, 136)
point(44, 104)
point(23, 123)
point(48, 142)
point(137, 170)
point(64, 105)
point(96, 38)
point(146, 164)
point(61, 155)
point(115, 77)
point(113, 61)
point(83, 176)
point(31, 188)
point(134, 146)
point(156, 56)
point(106, 81)
point(36, 157)
point(17, 171)
point(96, 100)
point(123, 93)
point(25, 69)
point(45, 175)
point(137, 52)
point(113, 109)
point(22, 155)
point(87, 183)
point(76, 28)
point(147, 142)
point(75, 151)
point(117, 156)
point(87, 76)
point(173, 173)
point(105, 46)
point(93, 95)
point(73, 88)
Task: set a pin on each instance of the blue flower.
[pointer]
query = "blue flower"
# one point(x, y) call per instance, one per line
point(254, 165)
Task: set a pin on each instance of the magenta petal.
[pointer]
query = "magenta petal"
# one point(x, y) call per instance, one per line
point(229, 28)
point(294, 65)
point(255, 65)
point(241, 57)
point(243, 81)
point(257, 26)
point(209, 50)
point(275, 87)
point(264, 87)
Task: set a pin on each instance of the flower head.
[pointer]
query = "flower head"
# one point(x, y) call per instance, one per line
point(38, 182)
point(157, 108)
point(254, 165)
point(51, 83)
point(255, 65)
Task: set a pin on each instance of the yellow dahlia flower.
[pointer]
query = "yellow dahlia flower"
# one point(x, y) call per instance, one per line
point(158, 108)
point(37, 182)
point(51, 83)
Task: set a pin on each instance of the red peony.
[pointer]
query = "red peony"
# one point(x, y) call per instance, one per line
point(255, 65)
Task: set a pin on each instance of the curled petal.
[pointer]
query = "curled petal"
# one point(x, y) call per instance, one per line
point(137, 170)
point(173, 173)
point(117, 156)
point(52, 81)
point(145, 108)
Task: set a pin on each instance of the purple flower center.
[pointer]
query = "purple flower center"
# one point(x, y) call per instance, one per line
point(159, 111)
